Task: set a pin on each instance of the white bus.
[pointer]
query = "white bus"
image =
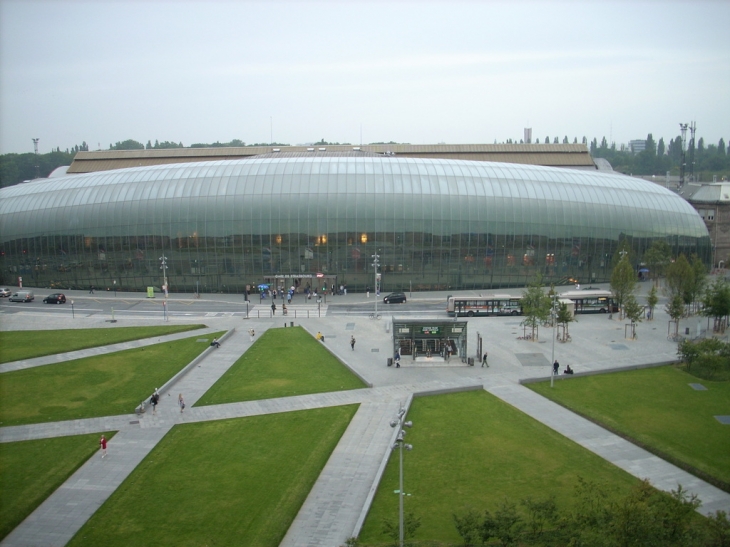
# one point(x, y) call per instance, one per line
point(491, 304)
point(592, 301)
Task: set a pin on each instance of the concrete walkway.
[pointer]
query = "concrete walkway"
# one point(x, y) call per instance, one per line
point(338, 503)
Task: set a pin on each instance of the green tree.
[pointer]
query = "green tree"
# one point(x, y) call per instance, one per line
point(623, 282)
point(696, 287)
point(129, 144)
point(716, 304)
point(657, 258)
point(652, 299)
point(675, 310)
point(535, 305)
point(679, 276)
point(564, 317)
point(633, 312)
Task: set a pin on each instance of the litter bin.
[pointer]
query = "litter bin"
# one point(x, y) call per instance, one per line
point(390, 361)
point(470, 361)
point(291, 323)
point(686, 331)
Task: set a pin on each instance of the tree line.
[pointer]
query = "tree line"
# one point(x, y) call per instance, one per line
point(658, 158)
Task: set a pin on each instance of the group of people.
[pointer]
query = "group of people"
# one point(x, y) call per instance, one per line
point(556, 368)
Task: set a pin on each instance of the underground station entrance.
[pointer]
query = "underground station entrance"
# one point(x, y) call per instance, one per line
point(428, 341)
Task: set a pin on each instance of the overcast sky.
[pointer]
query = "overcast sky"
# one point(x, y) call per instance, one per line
point(408, 71)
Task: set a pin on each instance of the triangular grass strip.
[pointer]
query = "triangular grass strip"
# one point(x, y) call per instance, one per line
point(472, 450)
point(31, 470)
point(656, 408)
point(20, 345)
point(231, 482)
point(103, 385)
point(281, 363)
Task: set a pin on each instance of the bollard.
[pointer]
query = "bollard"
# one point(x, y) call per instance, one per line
point(291, 323)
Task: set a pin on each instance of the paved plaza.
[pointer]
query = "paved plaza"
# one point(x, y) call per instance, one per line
point(337, 505)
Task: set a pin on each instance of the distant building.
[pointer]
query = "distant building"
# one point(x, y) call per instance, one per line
point(712, 202)
point(637, 146)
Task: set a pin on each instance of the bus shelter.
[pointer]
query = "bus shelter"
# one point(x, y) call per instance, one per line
point(430, 339)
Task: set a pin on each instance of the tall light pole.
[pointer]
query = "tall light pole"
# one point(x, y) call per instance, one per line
point(553, 312)
point(376, 262)
point(400, 444)
point(163, 267)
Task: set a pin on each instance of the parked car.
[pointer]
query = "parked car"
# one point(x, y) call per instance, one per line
point(5, 292)
point(55, 298)
point(22, 296)
point(395, 298)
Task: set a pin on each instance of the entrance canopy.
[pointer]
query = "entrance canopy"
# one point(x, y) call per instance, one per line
point(430, 338)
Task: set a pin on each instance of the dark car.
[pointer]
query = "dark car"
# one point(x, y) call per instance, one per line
point(56, 298)
point(395, 298)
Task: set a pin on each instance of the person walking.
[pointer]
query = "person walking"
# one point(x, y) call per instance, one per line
point(283, 309)
point(352, 343)
point(102, 443)
point(91, 289)
point(484, 360)
point(397, 358)
point(273, 308)
point(367, 290)
point(181, 403)
point(556, 366)
point(154, 400)
point(251, 333)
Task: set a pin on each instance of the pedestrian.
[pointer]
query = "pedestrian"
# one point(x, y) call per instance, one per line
point(102, 443)
point(448, 352)
point(251, 333)
point(352, 343)
point(288, 298)
point(344, 289)
point(215, 343)
point(397, 358)
point(556, 366)
point(181, 403)
point(484, 360)
point(283, 308)
point(367, 290)
point(273, 308)
point(154, 400)
point(91, 289)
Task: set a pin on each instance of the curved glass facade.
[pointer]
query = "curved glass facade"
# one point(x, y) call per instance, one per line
point(436, 224)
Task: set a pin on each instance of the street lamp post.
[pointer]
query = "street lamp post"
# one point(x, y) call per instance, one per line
point(555, 321)
point(163, 267)
point(376, 286)
point(401, 444)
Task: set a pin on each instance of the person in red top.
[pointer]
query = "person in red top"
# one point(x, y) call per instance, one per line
point(102, 442)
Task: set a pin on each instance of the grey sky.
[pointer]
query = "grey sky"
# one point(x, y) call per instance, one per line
point(418, 72)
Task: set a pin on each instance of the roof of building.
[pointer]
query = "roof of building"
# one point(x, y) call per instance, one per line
point(549, 155)
point(711, 193)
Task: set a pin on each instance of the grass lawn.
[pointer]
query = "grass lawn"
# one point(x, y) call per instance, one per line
point(19, 345)
point(31, 470)
point(282, 363)
point(658, 408)
point(471, 450)
point(231, 482)
point(102, 385)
